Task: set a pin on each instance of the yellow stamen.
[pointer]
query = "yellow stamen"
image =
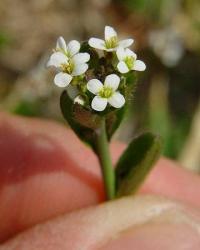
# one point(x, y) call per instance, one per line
point(111, 43)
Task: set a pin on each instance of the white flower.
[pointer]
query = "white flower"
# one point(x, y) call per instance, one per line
point(111, 42)
point(106, 93)
point(68, 67)
point(80, 100)
point(128, 61)
point(69, 49)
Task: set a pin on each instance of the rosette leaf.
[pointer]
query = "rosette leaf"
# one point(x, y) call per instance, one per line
point(136, 162)
point(79, 119)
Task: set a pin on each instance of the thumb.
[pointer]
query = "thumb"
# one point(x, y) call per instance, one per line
point(145, 223)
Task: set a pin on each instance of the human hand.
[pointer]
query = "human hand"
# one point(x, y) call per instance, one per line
point(45, 172)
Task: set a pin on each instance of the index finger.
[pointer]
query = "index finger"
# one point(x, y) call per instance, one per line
point(46, 171)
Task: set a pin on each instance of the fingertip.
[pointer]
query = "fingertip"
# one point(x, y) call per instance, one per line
point(171, 180)
point(145, 222)
point(45, 171)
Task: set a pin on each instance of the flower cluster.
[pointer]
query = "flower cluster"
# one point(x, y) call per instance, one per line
point(95, 83)
point(68, 61)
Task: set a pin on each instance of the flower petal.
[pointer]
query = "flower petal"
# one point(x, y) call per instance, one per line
point(139, 65)
point(72, 91)
point(61, 44)
point(94, 86)
point(121, 54)
point(109, 32)
point(79, 69)
point(81, 58)
point(97, 43)
point(73, 47)
point(62, 79)
point(80, 100)
point(112, 81)
point(126, 43)
point(56, 59)
point(99, 103)
point(117, 100)
point(122, 67)
point(111, 49)
point(130, 53)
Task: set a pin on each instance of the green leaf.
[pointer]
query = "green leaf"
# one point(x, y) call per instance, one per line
point(94, 57)
point(136, 162)
point(130, 85)
point(85, 133)
point(85, 117)
point(113, 120)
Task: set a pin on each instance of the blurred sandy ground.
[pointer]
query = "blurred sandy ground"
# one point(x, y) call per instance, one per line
point(167, 35)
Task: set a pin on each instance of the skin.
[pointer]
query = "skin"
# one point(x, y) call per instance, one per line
point(51, 187)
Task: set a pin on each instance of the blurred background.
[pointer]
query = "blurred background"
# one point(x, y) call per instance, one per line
point(167, 38)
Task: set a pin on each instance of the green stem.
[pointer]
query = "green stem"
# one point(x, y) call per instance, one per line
point(103, 154)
